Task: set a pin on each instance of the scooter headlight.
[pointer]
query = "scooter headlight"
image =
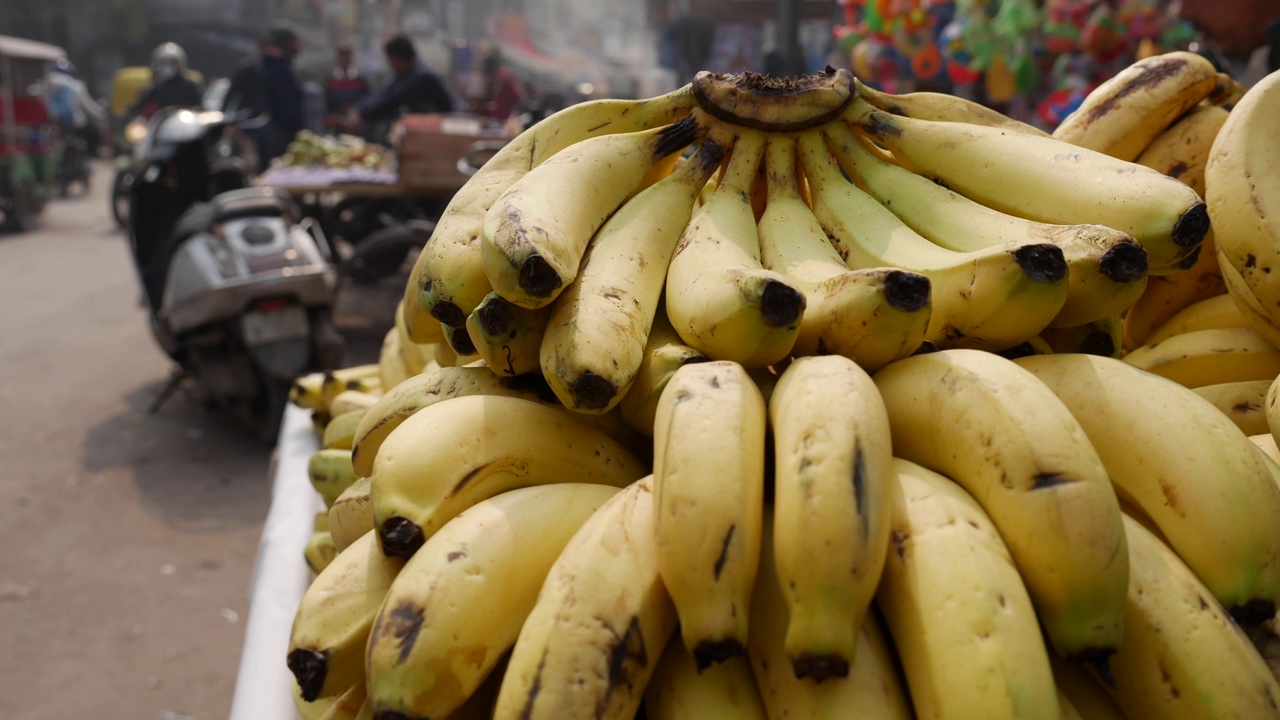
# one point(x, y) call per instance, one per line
point(135, 132)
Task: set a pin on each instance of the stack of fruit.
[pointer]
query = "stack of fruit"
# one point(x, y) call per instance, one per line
point(342, 151)
point(801, 423)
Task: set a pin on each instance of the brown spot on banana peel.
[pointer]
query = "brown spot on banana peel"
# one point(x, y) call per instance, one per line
point(860, 489)
point(1046, 480)
point(404, 623)
point(1178, 170)
point(627, 658)
point(535, 688)
point(1125, 262)
point(309, 667)
point(1253, 612)
point(710, 652)
point(1158, 70)
point(751, 100)
point(400, 537)
point(820, 667)
point(724, 549)
point(1042, 262)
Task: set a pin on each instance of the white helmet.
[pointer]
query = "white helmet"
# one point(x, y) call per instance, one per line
point(168, 60)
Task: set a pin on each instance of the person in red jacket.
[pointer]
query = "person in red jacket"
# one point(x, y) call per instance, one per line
point(346, 86)
point(502, 91)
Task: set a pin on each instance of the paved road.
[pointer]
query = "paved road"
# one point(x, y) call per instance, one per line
point(128, 538)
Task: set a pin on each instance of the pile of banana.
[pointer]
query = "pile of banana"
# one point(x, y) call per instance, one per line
point(341, 151)
point(795, 399)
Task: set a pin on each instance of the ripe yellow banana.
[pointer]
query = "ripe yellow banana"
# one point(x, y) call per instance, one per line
point(317, 391)
point(958, 612)
point(1003, 436)
point(312, 710)
point(992, 299)
point(349, 400)
point(830, 533)
point(872, 687)
point(348, 704)
point(1182, 656)
point(1243, 192)
point(1101, 337)
point(392, 369)
point(1124, 114)
point(448, 280)
point(416, 357)
point(327, 641)
point(421, 327)
point(1271, 407)
point(507, 336)
point(872, 316)
point(451, 455)
point(340, 431)
point(319, 551)
point(1266, 442)
point(664, 353)
point(1107, 268)
point(719, 297)
point(1166, 295)
point(602, 617)
point(1249, 304)
point(1182, 151)
point(1183, 464)
point(678, 691)
point(536, 233)
point(1087, 695)
point(330, 472)
point(751, 100)
point(943, 107)
point(1213, 313)
point(708, 469)
point(1210, 357)
point(1047, 180)
point(459, 603)
point(1244, 403)
point(351, 515)
point(595, 339)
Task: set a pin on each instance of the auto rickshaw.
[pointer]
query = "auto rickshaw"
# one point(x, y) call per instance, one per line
point(29, 142)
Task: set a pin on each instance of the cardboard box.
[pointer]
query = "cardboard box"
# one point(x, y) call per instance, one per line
point(428, 149)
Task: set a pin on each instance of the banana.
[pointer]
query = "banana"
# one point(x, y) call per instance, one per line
point(349, 400)
point(831, 534)
point(1182, 151)
point(351, 515)
point(1244, 403)
point(1210, 357)
point(956, 608)
point(752, 100)
point(316, 391)
point(307, 392)
point(664, 353)
point(1266, 442)
point(1086, 695)
point(392, 369)
point(330, 472)
point(320, 523)
point(459, 603)
point(1107, 269)
point(422, 328)
point(451, 455)
point(1124, 114)
point(1243, 192)
point(348, 704)
point(708, 470)
point(1271, 407)
point(537, 231)
point(594, 636)
point(327, 641)
point(992, 299)
point(1101, 337)
point(1047, 180)
point(1248, 303)
point(1213, 313)
point(448, 279)
point(719, 297)
point(678, 691)
point(872, 690)
point(1167, 295)
point(1035, 345)
point(1004, 437)
point(457, 347)
point(319, 551)
point(1182, 656)
point(1186, 466)
point(944, 108)
point(595, 340)
point(339, 432)
point(415, 355)
point(872, 316)
point(507, 336)
point(312, 710)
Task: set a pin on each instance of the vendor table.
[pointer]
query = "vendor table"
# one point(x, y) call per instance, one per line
point(280, 577)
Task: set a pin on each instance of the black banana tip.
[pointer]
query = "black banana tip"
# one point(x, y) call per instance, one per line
point(1191, 258)
point(400, 537)
point(538, 278)
point(711, 652)
point(926, 347)
point(310, 668)
point(448, 313)
point(495, 317)
point(820, 667)
point(1253, 612)
point(1101, 666)
point(906, 291)
point(1042, 262)
point(461, 342)
point(1126, 262)
point(1099, 343)
point(1192, 226)
point(780, 304)
point(592, 392)
point(1026, 349)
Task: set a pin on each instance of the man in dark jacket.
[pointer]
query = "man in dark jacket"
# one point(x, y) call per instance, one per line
point(269, 87)
point(170, 87)
point(413, 89)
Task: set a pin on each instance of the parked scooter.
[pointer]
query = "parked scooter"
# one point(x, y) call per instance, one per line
point(238, 284)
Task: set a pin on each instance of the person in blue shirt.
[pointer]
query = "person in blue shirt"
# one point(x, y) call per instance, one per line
point(413, 88)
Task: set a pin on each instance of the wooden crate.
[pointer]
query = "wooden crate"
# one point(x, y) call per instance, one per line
point(428, 148)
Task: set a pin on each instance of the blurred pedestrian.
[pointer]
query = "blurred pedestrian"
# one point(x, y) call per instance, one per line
point(502, 92)
point(170, 86)
point(346, 86)
point(268, 88)
point(413, 88)
point(74, 108)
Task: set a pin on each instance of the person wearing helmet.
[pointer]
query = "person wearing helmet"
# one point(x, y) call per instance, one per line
point(71, 104)
point(170, 87)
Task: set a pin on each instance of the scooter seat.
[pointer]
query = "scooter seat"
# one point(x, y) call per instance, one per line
point(196, 219)
point(243, 203)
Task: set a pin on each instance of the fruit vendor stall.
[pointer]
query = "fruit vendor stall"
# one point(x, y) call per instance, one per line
point(773, 398)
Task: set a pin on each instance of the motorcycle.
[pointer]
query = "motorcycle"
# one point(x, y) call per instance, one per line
point(126, 147)
point(239, 285)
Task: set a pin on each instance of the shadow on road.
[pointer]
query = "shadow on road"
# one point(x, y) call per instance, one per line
point(197, 469)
